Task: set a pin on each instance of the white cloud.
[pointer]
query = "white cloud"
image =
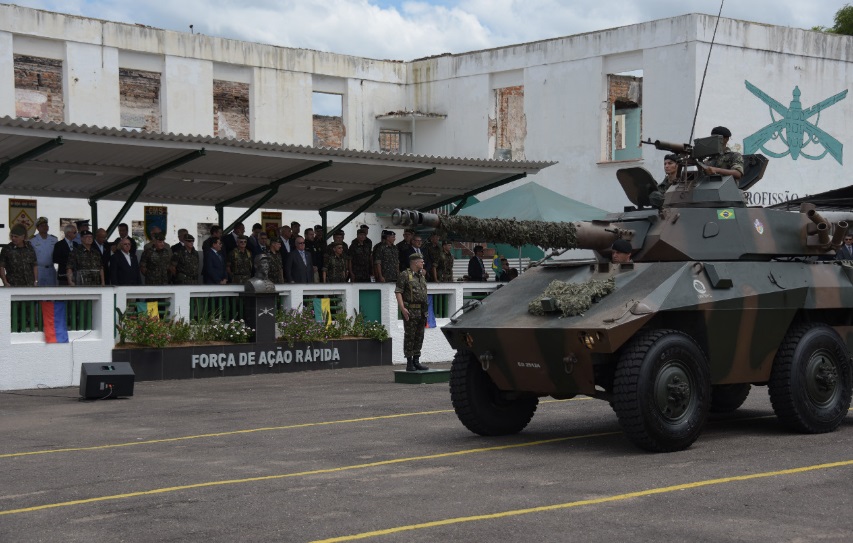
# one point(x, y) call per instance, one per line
point(413, 29)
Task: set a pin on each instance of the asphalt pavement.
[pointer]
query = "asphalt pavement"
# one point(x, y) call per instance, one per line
point(342, 455)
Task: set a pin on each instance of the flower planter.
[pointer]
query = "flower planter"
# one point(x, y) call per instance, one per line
point(193, 362)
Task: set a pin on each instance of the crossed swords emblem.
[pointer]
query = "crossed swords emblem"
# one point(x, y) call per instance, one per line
point(794, 128)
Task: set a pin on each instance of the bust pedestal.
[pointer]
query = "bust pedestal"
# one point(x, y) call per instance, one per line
point(259, 312)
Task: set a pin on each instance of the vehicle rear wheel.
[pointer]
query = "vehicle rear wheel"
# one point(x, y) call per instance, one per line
point(810, 383)
point(662, 390)
point(727, 398)
point(480, 405)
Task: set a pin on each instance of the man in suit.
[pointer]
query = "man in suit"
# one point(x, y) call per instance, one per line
point(103, 247)
point(845, 252)
point(476, 269)
point(182, 234)
point(414, 247)
point(213, 272)
point(124, 268)
point(61, 252)
point(229, 241)
point(123, 233)
point(300, 267)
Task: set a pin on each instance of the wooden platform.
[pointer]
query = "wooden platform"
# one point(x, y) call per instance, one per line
point(421, 377)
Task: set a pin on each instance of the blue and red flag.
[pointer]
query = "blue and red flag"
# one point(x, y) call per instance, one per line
point(430, 321)
point(55, 325)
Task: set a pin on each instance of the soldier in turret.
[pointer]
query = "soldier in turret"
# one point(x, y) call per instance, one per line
point(185, 263)
point(156, 260)
point(411, 293)
point(728, 163)
point(620, 252)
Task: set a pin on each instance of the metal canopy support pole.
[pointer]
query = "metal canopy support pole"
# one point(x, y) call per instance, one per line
point(459, 206)
point(270, 190)
point(6, 167)
point(324, 220)
point(355, 213)
point(475, 192)
point(375, 195)
point(140, 180)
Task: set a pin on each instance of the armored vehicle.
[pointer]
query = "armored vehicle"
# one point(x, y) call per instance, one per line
point(719, 297)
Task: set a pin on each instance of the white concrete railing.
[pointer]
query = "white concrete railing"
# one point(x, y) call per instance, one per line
point(28, 362)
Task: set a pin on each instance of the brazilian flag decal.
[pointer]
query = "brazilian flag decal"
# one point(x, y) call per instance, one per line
point(724, 214)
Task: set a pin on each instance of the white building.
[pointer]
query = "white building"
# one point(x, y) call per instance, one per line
point(584, 101)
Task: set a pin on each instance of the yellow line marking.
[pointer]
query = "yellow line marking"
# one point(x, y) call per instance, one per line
point(594, 501)
point(246, 431)
point(303, 473)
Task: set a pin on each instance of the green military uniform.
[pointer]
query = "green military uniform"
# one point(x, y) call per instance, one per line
point(276, 270)
point(433, 257)
point(19, 262)
point(154, 265)
point(362, 261)
point(336, 268)
point(729, 160)
point(413, 289)
point(445, 267)
point(389, 261)
point(186, 266)
point(86, 265)
point(240, 263)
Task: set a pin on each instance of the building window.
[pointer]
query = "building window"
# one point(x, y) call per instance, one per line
point(395, 141)
point(139, 99)
point(624, 117)
point(328, 123)
point(508, 125)
point(38, 89)
point(231, 110)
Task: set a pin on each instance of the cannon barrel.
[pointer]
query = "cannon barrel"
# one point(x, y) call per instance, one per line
point(553, 235)
point(672, 147)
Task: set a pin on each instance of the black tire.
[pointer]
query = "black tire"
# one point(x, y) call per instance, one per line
point(727, 398)
point(810, 383)
point(662, 390)
point(480, 405)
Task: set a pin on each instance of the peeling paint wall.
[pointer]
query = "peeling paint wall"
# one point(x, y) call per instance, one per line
point(623, 92)
point(38, 88)
point(139, 93)
point(231, 110)
point(328, 131)
point(508, 126)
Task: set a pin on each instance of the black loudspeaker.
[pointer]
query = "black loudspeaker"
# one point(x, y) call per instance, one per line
point(106, 380)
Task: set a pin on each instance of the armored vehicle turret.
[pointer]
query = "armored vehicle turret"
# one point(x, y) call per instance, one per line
point(718, 297)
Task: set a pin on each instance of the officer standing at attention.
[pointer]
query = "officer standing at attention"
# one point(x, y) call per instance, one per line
point(156, 260)
point(411, 293)
point(185, 263)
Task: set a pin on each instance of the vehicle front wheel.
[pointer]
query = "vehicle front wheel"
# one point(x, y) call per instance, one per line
point(481, 406)
point(810, 383)
point(662, 390)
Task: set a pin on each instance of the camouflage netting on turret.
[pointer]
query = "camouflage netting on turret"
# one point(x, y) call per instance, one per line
point(551, 235)
point(573, 298)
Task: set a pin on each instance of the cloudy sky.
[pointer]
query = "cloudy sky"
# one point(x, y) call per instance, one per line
point(405, 30)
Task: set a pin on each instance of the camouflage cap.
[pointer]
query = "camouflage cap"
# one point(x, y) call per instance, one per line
point(19, 230)
point(85, 233)
point(41, 220)
point(415, 256)
point(337, 244)
point(189, 237)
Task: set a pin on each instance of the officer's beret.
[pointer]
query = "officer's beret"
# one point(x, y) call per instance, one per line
point(339, 233)
point(85, 233)
point(159, 236)
point(189, 237)
point(19, 230)
point(41, 220)
point(721, 131)
point(621, 246)
point(415, 256)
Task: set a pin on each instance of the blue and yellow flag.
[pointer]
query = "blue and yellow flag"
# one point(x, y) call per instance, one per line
point(148, 308)
point(323, 311)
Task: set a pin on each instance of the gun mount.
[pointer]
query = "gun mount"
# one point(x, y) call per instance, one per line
point(719, 297)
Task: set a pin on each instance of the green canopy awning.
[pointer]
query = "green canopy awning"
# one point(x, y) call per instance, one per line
point(533, 202)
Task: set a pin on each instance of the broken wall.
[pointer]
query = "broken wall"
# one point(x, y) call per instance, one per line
point(231, 110)
point(139, 99)
point(508, 127)
point(38, 88)
point(328, 131)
